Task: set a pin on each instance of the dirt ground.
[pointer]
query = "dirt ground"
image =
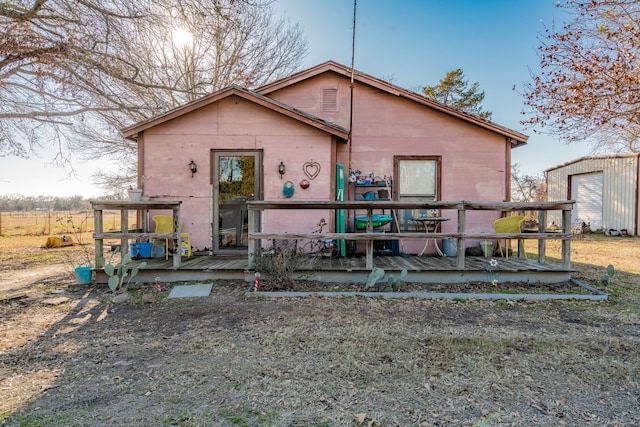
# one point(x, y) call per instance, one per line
point(70, 357)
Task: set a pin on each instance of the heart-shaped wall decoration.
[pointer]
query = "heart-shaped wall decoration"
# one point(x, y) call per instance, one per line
point(311, 169)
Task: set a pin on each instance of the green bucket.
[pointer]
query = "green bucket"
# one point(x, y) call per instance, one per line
point(83, 275)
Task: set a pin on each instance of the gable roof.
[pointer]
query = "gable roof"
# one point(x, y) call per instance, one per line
point(516, 138)
point(588, 158)
point(257, 98)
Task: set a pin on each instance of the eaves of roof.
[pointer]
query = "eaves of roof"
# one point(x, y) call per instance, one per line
point(132, 131)
point(516, 138)
point(584, 158)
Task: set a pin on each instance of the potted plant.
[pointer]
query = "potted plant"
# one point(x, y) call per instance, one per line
point(135, 194)
point(82, 259)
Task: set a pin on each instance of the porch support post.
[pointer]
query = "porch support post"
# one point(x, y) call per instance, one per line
point(542, 244)
point(99, 242)
point(521, 251)
point(369, 255)
point(461, 241)
point(253, 243)
point(566, 244)
point(124, 229)
point(177, 241)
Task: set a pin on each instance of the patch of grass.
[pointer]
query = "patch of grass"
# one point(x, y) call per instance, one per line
point(578, 306)
point(488, 420)
point(267, 419)
point(182, 420)
point(252, 417)
point(502, 304)
point(137, 295)
point(238, 421)
point(65, 419)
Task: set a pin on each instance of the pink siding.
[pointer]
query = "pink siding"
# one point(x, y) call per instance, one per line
point(474, 166)
point(170, 146)
point(474, 162)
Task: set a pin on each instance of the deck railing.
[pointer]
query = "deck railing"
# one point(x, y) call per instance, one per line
point(255, 235)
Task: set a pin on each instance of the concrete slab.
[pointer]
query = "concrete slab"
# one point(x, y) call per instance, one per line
point(190, 291)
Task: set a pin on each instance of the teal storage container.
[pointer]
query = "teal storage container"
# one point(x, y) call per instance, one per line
point(83, 275)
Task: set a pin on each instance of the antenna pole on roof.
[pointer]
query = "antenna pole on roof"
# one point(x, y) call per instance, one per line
point(353, 50)
point(353, 40)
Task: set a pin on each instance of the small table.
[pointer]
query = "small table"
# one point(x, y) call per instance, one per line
point(430, 222)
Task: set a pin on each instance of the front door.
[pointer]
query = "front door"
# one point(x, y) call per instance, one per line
point(235, 181)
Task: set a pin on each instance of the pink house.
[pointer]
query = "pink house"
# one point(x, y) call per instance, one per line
point(282, 141)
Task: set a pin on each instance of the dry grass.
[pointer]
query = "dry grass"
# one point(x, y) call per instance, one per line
point(53, 223)
point(230, 361)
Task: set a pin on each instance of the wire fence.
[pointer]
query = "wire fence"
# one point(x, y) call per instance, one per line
point(50, 222)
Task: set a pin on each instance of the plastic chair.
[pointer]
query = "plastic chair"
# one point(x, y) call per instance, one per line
point(509, 224)
point(164, 224)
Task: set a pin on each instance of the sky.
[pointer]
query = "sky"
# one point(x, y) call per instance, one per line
point(411, 43)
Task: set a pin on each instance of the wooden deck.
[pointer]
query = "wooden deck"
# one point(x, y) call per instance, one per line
point(425, 269)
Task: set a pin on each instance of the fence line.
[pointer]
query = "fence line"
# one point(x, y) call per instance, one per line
point(50, 222)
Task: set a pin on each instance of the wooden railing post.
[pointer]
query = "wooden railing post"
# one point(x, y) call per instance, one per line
point(98, 227)
point(369, 255)
point(124, 229)
point(253, 243)
point(177, 229)
point(521, 251)
point(542, 244)
point(566, 244)
point(462, 215)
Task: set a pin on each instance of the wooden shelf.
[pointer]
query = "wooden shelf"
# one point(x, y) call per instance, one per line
point(124, 235)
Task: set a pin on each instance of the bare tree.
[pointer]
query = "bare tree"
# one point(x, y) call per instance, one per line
point(73, 72)
point(588, 86)
point(527, 188)
point(54, 58)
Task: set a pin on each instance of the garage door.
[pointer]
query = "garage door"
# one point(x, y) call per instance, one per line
point(586, 190)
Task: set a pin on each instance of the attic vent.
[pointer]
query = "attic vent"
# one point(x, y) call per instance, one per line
point(329, 99)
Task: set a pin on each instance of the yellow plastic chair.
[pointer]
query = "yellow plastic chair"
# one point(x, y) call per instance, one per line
point(164, 224)
point(509, 224)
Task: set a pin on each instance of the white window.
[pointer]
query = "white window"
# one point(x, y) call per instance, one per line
point(418, 180)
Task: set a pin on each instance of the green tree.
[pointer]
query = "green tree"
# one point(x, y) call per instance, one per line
point(454, 91)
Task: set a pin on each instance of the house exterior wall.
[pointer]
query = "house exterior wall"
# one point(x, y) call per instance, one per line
point(475, 161)
point(234, 123)
point(620, 205)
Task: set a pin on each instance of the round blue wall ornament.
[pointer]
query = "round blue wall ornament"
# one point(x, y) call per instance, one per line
point(288, 189)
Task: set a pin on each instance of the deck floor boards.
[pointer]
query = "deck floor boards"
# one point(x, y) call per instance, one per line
point(346, 264)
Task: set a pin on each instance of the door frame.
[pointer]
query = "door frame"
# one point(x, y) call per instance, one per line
point(215, 196)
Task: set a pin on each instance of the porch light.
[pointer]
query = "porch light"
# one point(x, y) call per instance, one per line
point(193, 168)
point(281, 169)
